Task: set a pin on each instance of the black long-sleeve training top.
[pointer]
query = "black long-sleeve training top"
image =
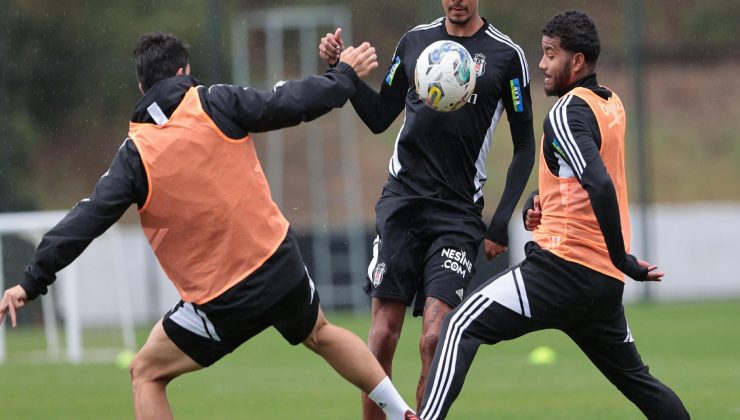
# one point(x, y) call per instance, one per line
point(236, 111)
point(442, 155)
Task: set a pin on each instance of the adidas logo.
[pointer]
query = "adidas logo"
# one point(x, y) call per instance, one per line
point(459, 293)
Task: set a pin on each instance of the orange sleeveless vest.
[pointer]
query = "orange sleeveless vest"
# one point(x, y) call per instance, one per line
point(209, 215)
point(569, 228)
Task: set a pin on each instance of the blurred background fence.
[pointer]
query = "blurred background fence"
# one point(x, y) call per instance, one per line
point(67, 87)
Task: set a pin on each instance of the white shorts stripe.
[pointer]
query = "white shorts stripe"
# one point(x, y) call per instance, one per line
point(522, 292)
point(195, 321)
point(374, 260)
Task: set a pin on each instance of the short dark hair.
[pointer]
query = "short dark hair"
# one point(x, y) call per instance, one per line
point(577, 33)
point(158, 56)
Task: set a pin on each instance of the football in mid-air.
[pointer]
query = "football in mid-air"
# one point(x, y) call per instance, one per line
point(445, 76)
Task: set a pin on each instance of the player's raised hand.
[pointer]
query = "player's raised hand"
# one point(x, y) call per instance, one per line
point(652, 275)
point(533, 217)
point(362, 58)
point(331, 46)
point(13, 298)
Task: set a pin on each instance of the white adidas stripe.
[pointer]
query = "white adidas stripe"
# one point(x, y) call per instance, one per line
point(480, 163)
point(559, 120)
point(472, 307)
point(499, 36)
point(555, 116)
point(509, 291)
point(434, 24)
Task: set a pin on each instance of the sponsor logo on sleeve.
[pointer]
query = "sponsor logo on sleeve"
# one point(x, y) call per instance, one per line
point(516, 95)
point(392, 70)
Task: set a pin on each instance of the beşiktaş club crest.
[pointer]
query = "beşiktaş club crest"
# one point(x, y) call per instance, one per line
point(480, 63)
point(378, 274)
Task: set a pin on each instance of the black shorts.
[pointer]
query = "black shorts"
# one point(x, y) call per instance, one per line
point(280, 293)
point(425, 248)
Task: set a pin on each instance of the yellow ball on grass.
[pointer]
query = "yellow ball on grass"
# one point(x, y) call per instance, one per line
point(542, 355)
point(124, 358)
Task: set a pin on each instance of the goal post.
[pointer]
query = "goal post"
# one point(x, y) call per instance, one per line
point(30, 226)
point(338, 270)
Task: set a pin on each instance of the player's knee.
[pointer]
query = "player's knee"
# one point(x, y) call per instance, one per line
point(143, 370)
point(315, 339)
point(384, 337)
point(138, 370)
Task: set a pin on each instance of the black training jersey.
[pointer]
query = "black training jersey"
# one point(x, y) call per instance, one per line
point(443, 154)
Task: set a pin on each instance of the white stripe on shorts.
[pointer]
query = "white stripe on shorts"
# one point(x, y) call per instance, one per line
point(195, 321)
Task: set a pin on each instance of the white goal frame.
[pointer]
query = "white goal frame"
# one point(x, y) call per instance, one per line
point(31, 226)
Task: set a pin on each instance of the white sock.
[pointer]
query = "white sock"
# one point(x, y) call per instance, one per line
point(389, 400)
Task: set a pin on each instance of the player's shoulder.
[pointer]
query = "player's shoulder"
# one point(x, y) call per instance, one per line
point(436, 23)
point(424, 33)
point(572, 107)
point(503, 41)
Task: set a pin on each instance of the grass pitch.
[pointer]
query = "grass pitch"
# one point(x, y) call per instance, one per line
point(694, 348)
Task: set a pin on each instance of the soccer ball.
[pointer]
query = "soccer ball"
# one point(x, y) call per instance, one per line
point(444, 76)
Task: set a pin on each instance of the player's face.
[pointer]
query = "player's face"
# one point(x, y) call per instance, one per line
point(459, 12)
point(555, 65)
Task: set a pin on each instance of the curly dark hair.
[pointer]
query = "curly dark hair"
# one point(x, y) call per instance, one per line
point(158, 56)
point(577, 33)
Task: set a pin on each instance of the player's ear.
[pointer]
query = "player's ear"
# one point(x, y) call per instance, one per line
point(579, 61)
point(184, 70)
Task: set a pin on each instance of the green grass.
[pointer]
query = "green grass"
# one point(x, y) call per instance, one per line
point(694, 348)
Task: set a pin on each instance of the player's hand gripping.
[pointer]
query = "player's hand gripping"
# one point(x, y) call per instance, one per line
point(13, 298)
point(493, 249)
point(331, 46)
point(362, 59)
point(533, 216)
point(652, 275)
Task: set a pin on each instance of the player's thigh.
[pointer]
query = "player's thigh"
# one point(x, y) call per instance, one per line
point(395, 269)
point(449, 266)
point(298, 314)
point(161, 358)
point(499, 309)
point(604, 334)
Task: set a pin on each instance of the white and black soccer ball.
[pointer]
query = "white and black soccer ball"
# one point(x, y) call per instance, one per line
point(445, 76)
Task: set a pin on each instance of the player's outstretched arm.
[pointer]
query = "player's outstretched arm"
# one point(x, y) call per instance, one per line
point(331, 46)
point(13, 299)
point(362, 59)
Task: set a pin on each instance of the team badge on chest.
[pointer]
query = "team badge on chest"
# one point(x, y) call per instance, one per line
point(480, 63)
